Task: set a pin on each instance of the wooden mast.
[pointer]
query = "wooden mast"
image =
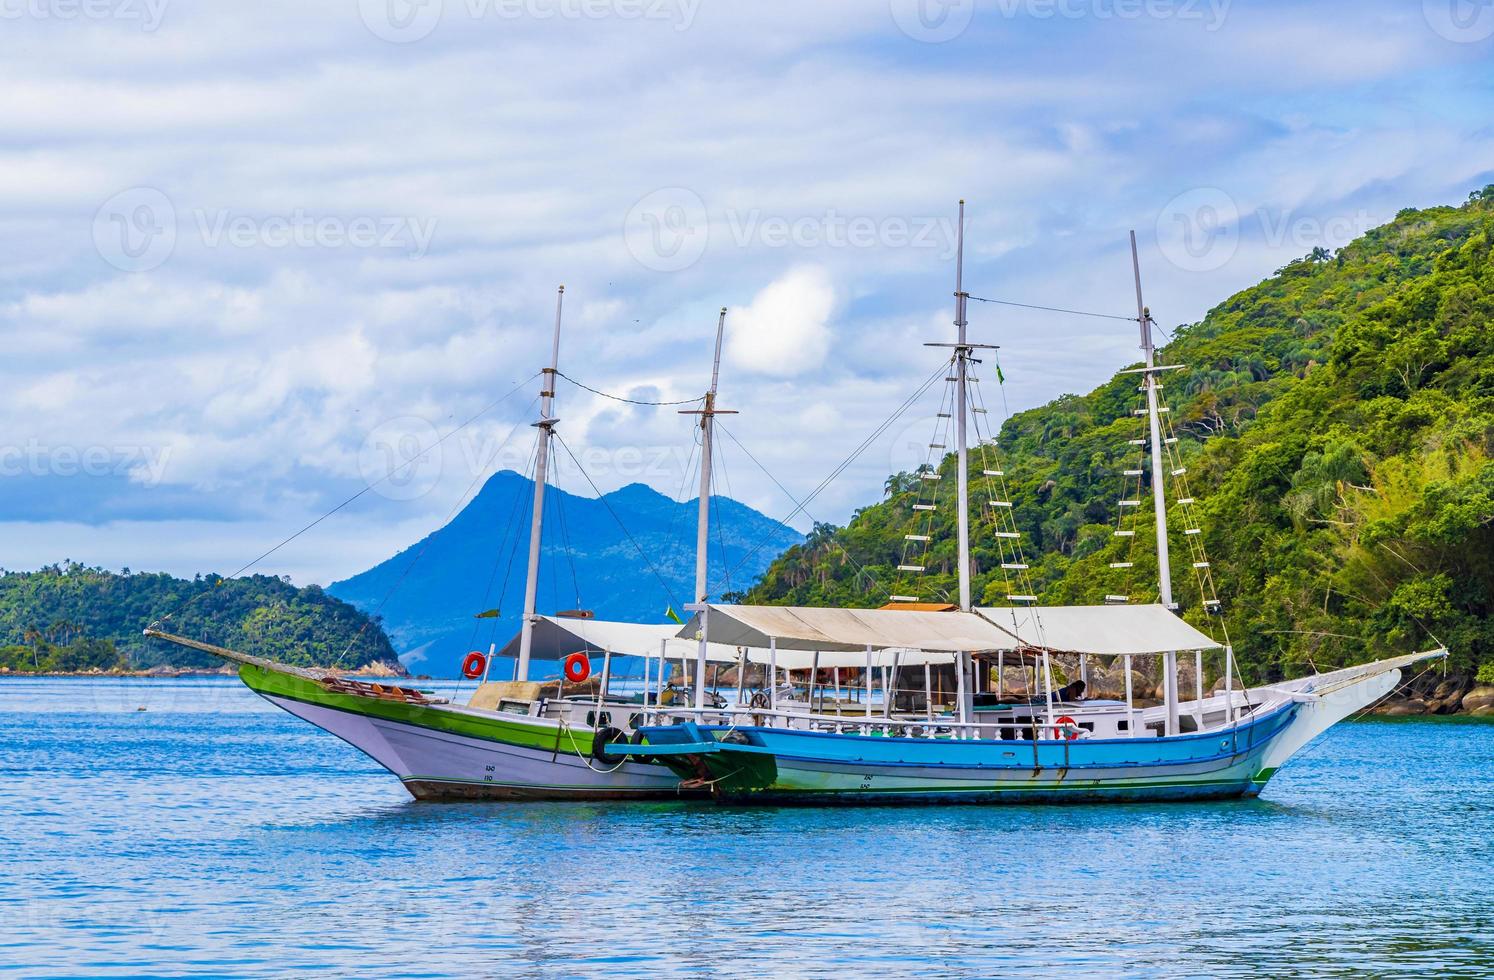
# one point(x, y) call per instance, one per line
point(962, 457)
point(703, 518)
point(546, 426)
point(1159, 489)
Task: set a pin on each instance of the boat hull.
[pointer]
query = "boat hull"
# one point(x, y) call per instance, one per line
point(443, 752)
point(782, 766)
point(775, 766)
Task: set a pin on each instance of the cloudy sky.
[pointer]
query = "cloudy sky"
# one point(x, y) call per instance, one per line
point(253, 252)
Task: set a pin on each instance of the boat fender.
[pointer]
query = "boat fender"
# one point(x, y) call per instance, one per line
point(472, 665)
point(599, 746)
point(1059, 731)
point(577, 667)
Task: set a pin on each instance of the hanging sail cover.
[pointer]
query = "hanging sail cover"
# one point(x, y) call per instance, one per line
point(1102, 630)
point(846, 630)
point(557, 637)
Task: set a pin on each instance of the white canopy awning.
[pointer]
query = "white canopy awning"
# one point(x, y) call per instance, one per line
point(825, 659)
point(842, 635)
point(556, 637)
point(1103, 630)
point(847, 630)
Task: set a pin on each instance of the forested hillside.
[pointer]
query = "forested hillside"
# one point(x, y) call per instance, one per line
point(73, 618)
point(1336, 422)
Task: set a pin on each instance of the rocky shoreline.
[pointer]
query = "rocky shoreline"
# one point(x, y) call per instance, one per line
point(1429, 694)
point(1452, 696)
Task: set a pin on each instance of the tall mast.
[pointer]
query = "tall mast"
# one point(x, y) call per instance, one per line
point(546, 426)
point(963, 665)
point(703, 520)
point(962, 354)
point(1159, 490)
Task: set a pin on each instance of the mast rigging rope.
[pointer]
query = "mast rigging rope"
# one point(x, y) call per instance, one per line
point(668, 592)
point(1051, 309)
point(835, 474)
point(387, 476)
point(629, 401)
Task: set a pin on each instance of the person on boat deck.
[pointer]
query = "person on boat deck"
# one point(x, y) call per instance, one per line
point(1070, 692)
point(670, 694)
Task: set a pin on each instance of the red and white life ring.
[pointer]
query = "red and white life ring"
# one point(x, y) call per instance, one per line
point(1060, 731)
point(473, 665)
point(577, 667)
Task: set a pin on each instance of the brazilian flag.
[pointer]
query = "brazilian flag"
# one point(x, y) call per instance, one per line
point(673, 616)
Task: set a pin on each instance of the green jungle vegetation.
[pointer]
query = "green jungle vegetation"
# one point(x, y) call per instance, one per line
point(1336, 423)
point(71, 617)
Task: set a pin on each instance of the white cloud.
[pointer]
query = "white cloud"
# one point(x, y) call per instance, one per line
point(785, 330)
point(259, 372)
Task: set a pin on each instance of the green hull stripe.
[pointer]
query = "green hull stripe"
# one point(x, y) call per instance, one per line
point(509, 731)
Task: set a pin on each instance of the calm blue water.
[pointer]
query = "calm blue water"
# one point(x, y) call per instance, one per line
point(214, 835)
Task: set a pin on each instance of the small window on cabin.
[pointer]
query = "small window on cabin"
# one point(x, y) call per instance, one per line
point(1088, 726)
point(1123, 725)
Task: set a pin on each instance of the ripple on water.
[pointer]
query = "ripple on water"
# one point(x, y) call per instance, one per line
point(211, 834)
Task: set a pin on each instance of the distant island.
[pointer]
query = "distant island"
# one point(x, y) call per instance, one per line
point(627, 556)
point(72, 618)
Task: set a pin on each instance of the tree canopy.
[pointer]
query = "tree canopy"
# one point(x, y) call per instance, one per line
point(73, 617)
point(1336, 422)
